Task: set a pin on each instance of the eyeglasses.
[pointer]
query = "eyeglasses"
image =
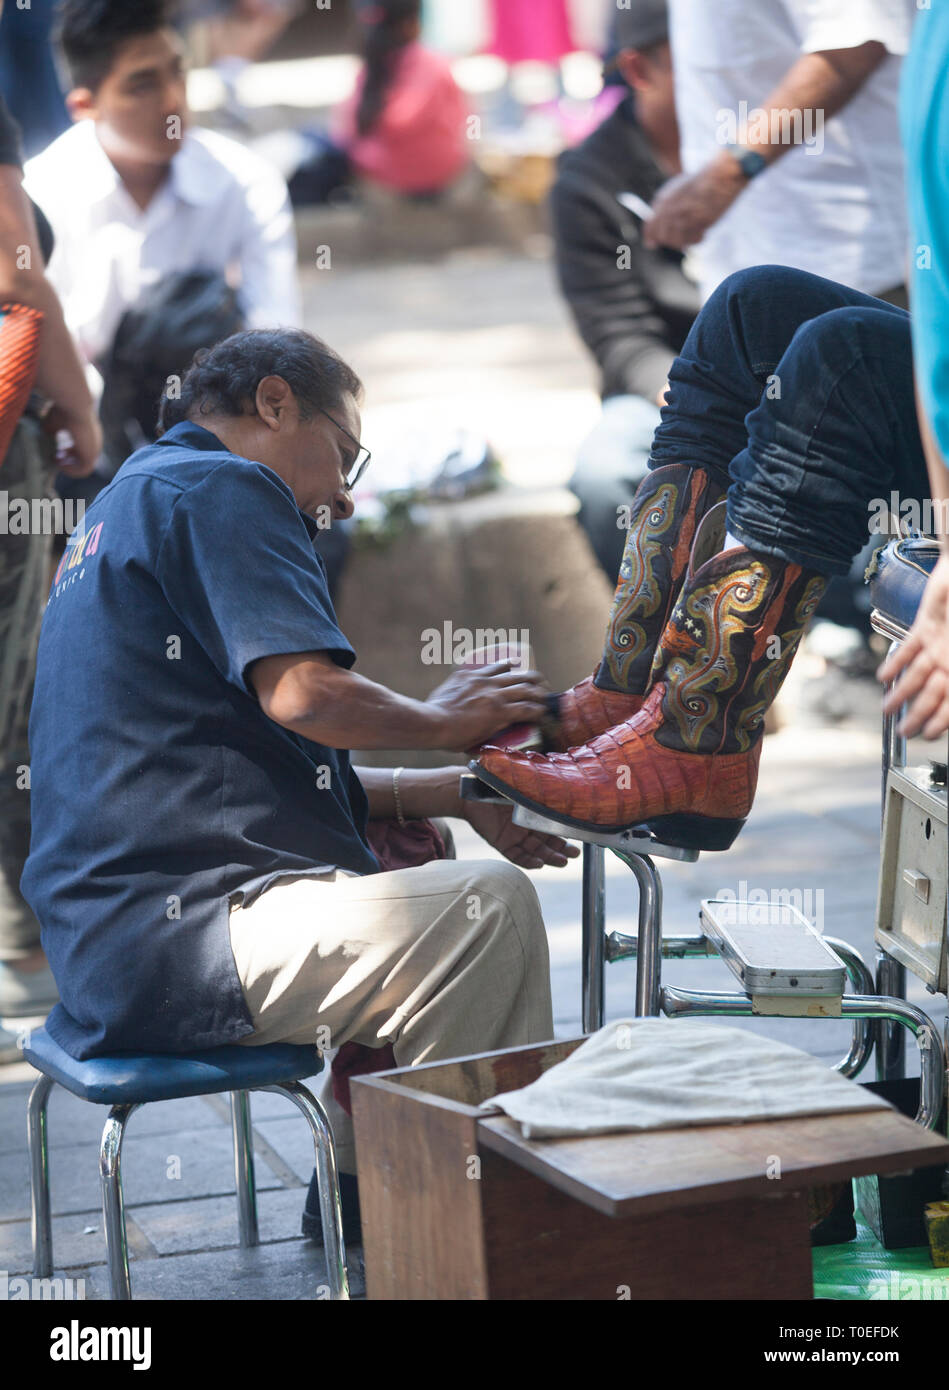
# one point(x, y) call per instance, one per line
point(360, 463)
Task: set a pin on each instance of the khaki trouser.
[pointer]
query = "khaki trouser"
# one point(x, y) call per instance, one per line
point(442, 960)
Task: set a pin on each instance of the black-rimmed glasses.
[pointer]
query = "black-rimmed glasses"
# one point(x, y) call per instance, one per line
point(361, 462)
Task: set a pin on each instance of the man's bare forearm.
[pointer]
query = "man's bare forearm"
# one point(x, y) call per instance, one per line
point(344, 710)
point(60, 375)
point(818, 82)
point(422, 792)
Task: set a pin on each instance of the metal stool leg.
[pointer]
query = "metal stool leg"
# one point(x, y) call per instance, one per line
point(891, 1039)
point(861, 982)
point(331, 1213)
point(649, 953)
point(113, 1208)
point(244, 1168)
point(594, 940)
point(42, 1223)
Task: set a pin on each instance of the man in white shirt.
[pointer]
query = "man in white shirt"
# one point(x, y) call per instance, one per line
point(790, 139)
point(134, 195)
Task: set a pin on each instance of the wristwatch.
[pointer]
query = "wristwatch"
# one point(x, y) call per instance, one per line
point(750, 162)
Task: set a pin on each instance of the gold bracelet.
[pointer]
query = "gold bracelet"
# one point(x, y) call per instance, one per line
point(396, 774)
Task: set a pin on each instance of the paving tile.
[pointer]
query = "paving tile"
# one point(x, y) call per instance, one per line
point(205, 1163)
point(292, 1140)
point(74, 1243)
point(210, 1223)
point(72, 1121)
point(265, 1105)
point(292, 1270)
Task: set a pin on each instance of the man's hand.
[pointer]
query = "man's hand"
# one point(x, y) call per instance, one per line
point(529, 849)
point(922, 663)
point(478, 701)
point(78, 440)
point(686, 206)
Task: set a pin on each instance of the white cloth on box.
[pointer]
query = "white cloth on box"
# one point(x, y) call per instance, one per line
point(659, 1073)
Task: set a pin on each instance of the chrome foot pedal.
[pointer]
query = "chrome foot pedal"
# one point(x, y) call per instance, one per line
point(775, 954)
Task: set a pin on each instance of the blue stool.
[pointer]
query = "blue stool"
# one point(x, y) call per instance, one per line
point(125, 1083)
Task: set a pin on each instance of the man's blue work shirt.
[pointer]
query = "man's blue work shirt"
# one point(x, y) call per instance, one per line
point(158, 786)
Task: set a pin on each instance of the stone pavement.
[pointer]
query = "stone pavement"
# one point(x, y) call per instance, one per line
point(490, 338)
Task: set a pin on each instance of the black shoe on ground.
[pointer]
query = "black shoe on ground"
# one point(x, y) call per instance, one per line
point(349, 1201)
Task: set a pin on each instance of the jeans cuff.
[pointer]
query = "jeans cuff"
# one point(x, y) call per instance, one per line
point(822, 563)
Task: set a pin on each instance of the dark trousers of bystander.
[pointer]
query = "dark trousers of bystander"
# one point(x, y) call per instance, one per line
point(24, 577)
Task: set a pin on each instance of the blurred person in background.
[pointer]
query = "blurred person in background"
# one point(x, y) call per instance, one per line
point(790, 140)
point(28, 77)
point(529, 31)
point(405, 126)
point(137, 198)
point(36, 351)
point(235, 34)
point(632, 305)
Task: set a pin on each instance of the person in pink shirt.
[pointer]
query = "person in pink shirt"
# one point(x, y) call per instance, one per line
point(405, 126)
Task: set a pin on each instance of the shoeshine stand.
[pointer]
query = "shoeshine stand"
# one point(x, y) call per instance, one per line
point(784, 968)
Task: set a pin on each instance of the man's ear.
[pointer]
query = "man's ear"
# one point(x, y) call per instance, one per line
point(273, 400)
point(633, 69)
point(81, 104)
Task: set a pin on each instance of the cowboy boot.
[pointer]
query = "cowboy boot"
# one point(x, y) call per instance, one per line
point(687, 763)
point(669, 504)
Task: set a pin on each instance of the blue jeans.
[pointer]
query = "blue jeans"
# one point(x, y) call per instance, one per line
point(796, 393)
point(611, 463)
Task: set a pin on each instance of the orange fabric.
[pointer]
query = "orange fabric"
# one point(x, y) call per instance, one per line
point(19, 357)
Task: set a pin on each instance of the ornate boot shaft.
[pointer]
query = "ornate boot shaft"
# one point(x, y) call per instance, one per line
point(668, 508)
point(728, 647)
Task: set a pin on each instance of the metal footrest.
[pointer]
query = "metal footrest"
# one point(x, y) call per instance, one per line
point(682, 946)
point(471, 788)
point(639, 840)
point(773, 950)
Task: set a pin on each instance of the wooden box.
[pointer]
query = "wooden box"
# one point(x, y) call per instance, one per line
point(457, 1205)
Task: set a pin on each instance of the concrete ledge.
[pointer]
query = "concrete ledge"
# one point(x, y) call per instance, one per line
point(379, 226)
point(511, 560)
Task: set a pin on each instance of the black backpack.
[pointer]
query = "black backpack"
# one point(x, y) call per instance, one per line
point(154, 342)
